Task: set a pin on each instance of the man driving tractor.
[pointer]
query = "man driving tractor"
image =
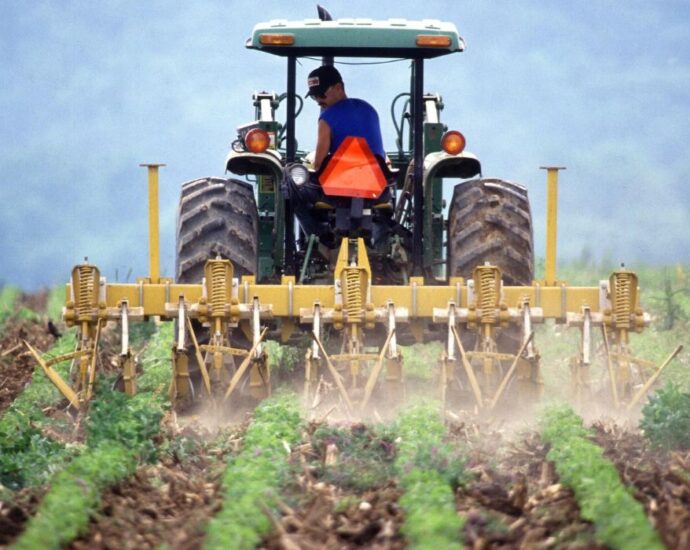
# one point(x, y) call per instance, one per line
point(341, 118)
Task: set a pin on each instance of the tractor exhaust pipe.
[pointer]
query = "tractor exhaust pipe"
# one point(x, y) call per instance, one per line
point(324, 15)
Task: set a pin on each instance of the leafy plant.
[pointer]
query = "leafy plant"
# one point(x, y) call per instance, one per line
point(120, 433)
point(666, 418)
point(619, 519)
point(28, 457)
point(9, 296)
point(256, 473)
point(74, 493)
point(56, 300)
point(671, 298)
point(365, 455)
point(427, 466)
point(422, 445)
point(283, 359)
point(421, 360)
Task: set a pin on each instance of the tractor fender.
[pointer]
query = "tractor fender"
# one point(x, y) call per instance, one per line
point(443, 165)
point(245, 163)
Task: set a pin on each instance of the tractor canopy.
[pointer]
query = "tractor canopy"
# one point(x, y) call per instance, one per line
point(394, 38)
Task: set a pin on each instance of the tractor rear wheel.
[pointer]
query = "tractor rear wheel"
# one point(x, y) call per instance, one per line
point(490, 221)
point(215, 217)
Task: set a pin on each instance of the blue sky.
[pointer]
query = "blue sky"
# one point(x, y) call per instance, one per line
point(92, 89)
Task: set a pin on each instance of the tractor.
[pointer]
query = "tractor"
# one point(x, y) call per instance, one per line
point(381, 262)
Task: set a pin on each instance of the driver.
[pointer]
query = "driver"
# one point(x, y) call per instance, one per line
point(341, 116)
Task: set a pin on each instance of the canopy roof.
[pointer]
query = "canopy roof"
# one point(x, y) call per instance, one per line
point(394, 38)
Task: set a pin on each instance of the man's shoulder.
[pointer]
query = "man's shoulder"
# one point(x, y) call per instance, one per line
point(350, 103)
point(347, 108)
point(360, 103)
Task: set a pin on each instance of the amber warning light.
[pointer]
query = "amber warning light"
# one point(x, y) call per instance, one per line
point(453, 142)
point(433, 40)
point(277, 39)
point(257, 140)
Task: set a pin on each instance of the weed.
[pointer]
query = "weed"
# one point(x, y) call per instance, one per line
point(364, 458)
point(666, 418)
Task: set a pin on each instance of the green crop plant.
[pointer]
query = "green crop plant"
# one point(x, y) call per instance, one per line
point(365, 455)
point(55, 302)
point(421, 360)
point(255, 475)
point(9, 296)
point(428, 468)
point(28, 457)
point(74, 493)
point(283, 360)
point(120, 433)
point(618, 518)
point(665, 418)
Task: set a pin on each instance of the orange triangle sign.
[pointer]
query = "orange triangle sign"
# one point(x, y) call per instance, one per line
point(353, 171)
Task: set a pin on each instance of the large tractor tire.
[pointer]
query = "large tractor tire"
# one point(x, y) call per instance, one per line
point(215, 217)
point(490, 221)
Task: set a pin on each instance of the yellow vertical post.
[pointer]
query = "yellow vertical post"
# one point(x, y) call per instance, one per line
point(154, 236)
point(551, 222)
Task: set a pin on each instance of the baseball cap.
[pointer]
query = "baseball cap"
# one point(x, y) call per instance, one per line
point(321, 79)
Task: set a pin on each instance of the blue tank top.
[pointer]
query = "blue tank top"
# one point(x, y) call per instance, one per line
point(354, 117)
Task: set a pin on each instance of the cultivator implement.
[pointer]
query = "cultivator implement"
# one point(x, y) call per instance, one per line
point(478, 310)
point(474, 318)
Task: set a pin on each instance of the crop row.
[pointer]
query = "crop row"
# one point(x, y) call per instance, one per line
point(28, 457)
point(9, 296)
point(255, 476)
point(429, 469)
point(120, 432)
point(619, 519)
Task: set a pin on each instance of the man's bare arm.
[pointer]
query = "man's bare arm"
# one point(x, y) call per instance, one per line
point(323, 144)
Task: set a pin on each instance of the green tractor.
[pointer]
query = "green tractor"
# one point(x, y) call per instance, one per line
point(252, 221)
point(253, 224)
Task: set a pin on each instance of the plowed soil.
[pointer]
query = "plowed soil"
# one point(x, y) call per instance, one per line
point(511, 498)
point(16, 364)
point(661, 481)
